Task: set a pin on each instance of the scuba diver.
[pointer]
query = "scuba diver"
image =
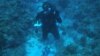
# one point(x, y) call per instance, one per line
point(49, 16)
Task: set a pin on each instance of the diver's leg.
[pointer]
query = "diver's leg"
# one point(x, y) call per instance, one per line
point(44, 35)
point(56, 34)
point(58, 40)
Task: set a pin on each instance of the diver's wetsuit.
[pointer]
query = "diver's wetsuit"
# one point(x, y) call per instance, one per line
point(49, 20)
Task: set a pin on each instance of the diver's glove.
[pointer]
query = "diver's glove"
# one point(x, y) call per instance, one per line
point(37, 26)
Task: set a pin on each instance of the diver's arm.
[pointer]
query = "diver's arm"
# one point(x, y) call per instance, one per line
point(58, 18)
point(36, 19)
point(36, 25)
